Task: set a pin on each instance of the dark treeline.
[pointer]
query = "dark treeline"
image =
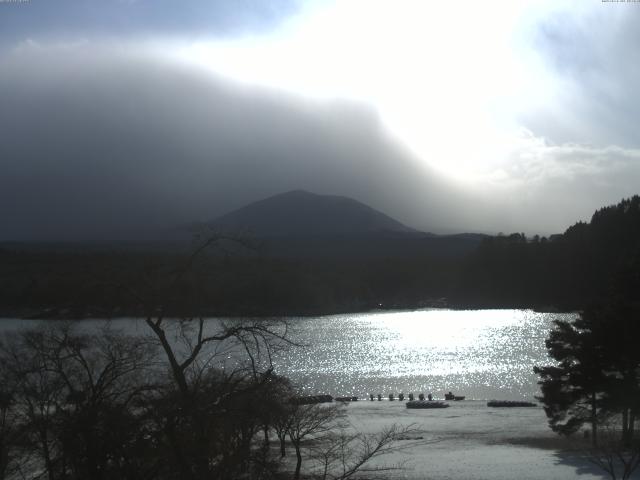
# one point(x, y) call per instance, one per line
point(71, 285)
point(563, 272)
point(566, 271)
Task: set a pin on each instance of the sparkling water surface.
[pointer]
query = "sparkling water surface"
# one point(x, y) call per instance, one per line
point(477, 353)
point(481, 354)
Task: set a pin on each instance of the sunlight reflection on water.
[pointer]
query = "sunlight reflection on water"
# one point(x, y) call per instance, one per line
point(477, 353)
point(481, 354)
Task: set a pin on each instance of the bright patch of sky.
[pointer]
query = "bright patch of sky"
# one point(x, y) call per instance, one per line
point(450, 79)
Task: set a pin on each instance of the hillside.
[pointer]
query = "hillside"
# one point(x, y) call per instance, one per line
point(300, 224)
point(299, 213)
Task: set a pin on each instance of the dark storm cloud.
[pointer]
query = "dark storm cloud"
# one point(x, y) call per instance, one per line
point(111, 139)
point(42, 19)
point(103, 145)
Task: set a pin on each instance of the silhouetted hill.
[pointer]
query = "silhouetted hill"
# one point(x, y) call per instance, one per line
point(300, 224)
point(304, 214)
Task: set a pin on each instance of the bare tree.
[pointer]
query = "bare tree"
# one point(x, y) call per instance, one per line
point(613, 454)
point(10, 435)
point(311, 422)
point(72, 397)
point(219, 404)
point(343, 455)
point(222, 387)
point(37, 392)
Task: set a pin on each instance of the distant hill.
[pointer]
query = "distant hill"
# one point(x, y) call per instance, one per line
point(304, 214)
point(301, 224)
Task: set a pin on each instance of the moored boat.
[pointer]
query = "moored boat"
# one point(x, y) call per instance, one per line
point(426, 404)
point(451, 396)
point(510, 403)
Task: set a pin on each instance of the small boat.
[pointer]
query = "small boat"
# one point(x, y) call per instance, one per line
point(426, 404)
point(510, 403)
point(346, 399)
point(451, 396)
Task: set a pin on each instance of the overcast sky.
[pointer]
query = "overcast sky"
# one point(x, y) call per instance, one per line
point(504, 115)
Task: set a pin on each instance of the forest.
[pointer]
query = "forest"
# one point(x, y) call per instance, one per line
point(565, 271)
point(559, 273)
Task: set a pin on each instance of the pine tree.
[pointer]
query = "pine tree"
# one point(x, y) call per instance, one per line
point(573, 389)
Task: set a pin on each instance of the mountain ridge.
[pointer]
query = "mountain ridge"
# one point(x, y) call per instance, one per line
point(299, 213)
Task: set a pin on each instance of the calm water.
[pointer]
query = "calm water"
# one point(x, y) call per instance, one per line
point(478, 353)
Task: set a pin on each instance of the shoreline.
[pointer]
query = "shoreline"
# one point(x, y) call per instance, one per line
point(65, 314)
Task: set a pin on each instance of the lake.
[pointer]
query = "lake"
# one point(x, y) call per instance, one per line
point(481, 354)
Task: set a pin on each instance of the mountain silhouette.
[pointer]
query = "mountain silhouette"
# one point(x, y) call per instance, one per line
point(299, 213)
point(301, 224)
